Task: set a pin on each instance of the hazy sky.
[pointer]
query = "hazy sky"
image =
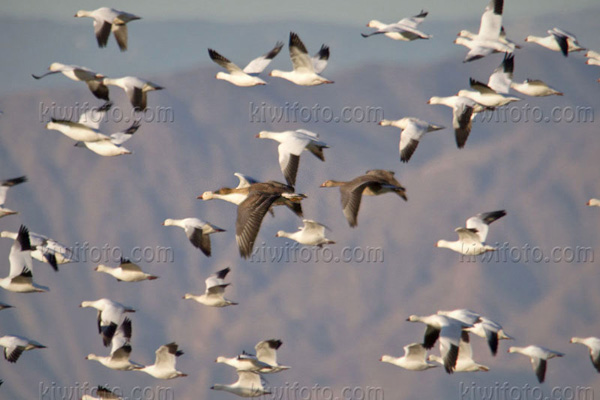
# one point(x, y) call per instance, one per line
point(338, 11)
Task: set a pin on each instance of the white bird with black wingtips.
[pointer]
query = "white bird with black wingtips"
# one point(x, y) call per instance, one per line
point(491, 331)
point(244, 77)
point(109, 19)
point(412, 130)
point(291, 146)
point(110, 317)
point(197, 231)
point(126, 271)
point(164, 364)
point(306, 69)
point(79, 74)
point(463, 112)
point(557, 40)
point(4, 186)
point(471, 239)
point(249, 384)
point(414, 359)
point(311, 234)
point(14, 346)
point(538, 356)
point(20, 276)
point(266, 351)
point(215, 291)
point(120, 350)
point(405, 29)
point(593, 344)
point(135, 88)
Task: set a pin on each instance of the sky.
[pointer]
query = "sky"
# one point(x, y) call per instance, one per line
point(335, 11)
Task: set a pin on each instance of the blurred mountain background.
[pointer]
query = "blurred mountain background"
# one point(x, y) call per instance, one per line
point(335, 319)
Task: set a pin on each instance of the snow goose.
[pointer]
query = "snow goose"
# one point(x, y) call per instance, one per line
point(412, 130)
point(249, 384)
point(373, 183)
point(197, 231)
point(4, 186)
point(490, 330)
point(463, 112)
point(414, 359)
point(135, 88)
point(538, 355)
point(79, 74)
point(557, 40)
point(86, 127)
point(102, 393)
point(244, 77)
point(126, 271)
point(593, 61)
point(593, 343)
point(304, 73)
point(164, 365)
point(120, 350)
point(501, 38)
point(20, 276)
point(266, 351)
point(244, 362)
point(311, 234)
point(535, 88)
point(405, 29)
point(468, 317)
point(215, 290)
point(593, 202)
point(110, 316)
point(485, 95)
point(14, 346)
point(488, 39)
point(465, 362)
point(111, 146)
point(45, 249)
point(471, 240)
point(250, 212)
point(291, 146)
point(448, 331)
point(107, 20)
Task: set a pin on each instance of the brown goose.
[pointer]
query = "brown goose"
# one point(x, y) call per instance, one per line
point(373, 183)
point(251, 211)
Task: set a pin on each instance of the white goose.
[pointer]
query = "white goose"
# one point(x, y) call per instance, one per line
point(111, 146)
point(86, 128)
point(249, 384)
point(244, 362)
point(135, 88)
point(490, 330)
point(538, 356)
point(412, 130)
point(197, 231)
point(305, 72)
point(465, 362)
point(4, 186)
point(485, 95)
point(501, 81)
point(45, 249)
point(20, 276)
point(126, 271)
point(593, 202)
point(120, 350)
point(463, 112)
point(79, 74)
point(501, 38)
point(414, 359)
point(557, 40)
point(14, 346)
point(291, 146)
point(471, 240)
point(107, 20)
point(164, 365)
point(593, 344)
point(244, 77)
point(311, 234)
point(110, 317)
point(448, 331)
point(215, 290)
point(405, 29)
point(266, 351)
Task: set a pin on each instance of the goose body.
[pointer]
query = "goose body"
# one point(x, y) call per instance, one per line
point(197, 231)
point(107, 20)
point(164, 364)
point(14, 346)
point(593, 344)
point(249, 384)
point(120, 350)
point(79, 74)
point(311, 234)
point(471, 239)
point(215, 290)
point(557, 40)
point(538, 356)
point(465, 362)
point(463, 112)
point(414, 359)
point(126, 271)
point(405, 29)
point(135, 88)
point(110, 317)
point(412, 130)
point(20, 276)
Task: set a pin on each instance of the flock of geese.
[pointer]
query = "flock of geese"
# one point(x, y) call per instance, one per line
point(254, 199)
